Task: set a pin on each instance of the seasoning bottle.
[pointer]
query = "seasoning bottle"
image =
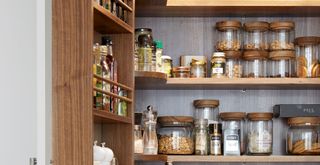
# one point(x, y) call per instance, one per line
point(198, 69)
point(166, 62)
point(97, 69)
point(121, 105)
point(154, 58)
point(150, 140)
point(106, 73)
point(138, 140)
point(201, 132)
point(215, 138)
point(218, 65)
point(145, 52)
point(159, 49)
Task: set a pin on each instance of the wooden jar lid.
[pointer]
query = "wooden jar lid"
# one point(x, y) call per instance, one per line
point(175, 119)
point(232, 115)
point(233, 54)
point(223, 25)
point(181, 69)
point(302, 41)
point(282, 55)
point(206, 103)
point(282, 25)
point(255, 54)
point(303, 120)
point(256, 116)
point(257, 25)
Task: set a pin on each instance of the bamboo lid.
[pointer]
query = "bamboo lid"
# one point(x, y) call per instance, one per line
point(282, 25)
point(311, 40)
point(255, 116)
point(206, 103)
point(282, 55)
point(175, 119)
point(224, 25)
point(181, 69)
point(232, 115)
point(255, 54)
point(303, 120)
point(233, 54)
point(257, 25)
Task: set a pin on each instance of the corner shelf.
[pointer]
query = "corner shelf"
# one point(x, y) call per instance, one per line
point(101, 116)
point(149, 80)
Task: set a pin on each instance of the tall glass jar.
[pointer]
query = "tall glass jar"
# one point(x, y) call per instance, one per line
point(256, 35)
point(145, 54)
point(234, 67)
point(206, 109)
point(303, 137)
point(308, 57)
point(260, 132)
point(282, 35)
point(218, 65)
point(138, 32)
point(233, 132)
point(201, 135)
point(176, 135)
point(198, 69)
point(255, 64)
point(281, 64)
point(229, 36)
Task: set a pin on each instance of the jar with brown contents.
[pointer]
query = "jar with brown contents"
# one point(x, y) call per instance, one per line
point(282, 35)
point(198, 69)
point(234, 67)
point(181, 72)
point(281, 64)
point(256, 35)
point(255, 64)
point(229, 35)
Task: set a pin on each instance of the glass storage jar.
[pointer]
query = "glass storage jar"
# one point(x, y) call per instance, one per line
point(255, 64)
point(282, 35)
point(201, 137)
point(138, 32)
point(176, 135)
point(234, 67)
point(281, 64)
point(206, 109)
point(198, 68)
point(229, 33)
point(256, 35)
point(303, 137)
point(218, 65)
point(260, 132)
point(308, 57)
point(138, 140)
point(145, 54)
point(233, 132)
point(181, 72)
point(166, 66)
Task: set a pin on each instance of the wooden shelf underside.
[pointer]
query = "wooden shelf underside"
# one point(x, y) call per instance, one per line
point(228, 159)
point(101, 116)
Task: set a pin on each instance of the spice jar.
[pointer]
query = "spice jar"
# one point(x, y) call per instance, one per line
point(282, 35)
point(233, 131)
point(138, 140)
point(201, 135)
point(281, 64)
point(255, 64)
point(176, 135)
point(260, 133)
point(308, 57)
point(215, 138)
point(256, 35)
point(145, 53)
point(234, 67)
point(303, 137)
point(229, 35)
point(198, 69)
point(206, 109)
point(166, 65)
point(218, 65)
point(181, 72)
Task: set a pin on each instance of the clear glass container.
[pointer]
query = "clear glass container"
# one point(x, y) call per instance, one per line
point(181, 72)
point(166, 66)
point(281, 64)
point(145, 54)
point(259, 133)
point(255, 64)
point(201, 137)
point(218, 65)
point(150, 141)
point(206, 109)
point(138, 32)
point(198, 69)
point(256, 36)
point(234, 68)
point(303, 137)
point(176, 135)
point(282, 35)
point(138, 140)
point(229, 36)
point(233, 133)
point(308, 57)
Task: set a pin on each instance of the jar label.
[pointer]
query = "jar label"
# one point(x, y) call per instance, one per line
point(232, 143)
point(260, 142)
point(218, 68)
point(144, 55)
point(201, 141)
point(215, 145)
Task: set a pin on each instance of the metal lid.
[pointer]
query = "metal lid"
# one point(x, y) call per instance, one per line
point(218, 54)
point(206, 103)
point(166, 57)
point(143, 30)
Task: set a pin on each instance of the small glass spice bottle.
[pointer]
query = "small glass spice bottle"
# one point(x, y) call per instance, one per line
point(198, 69)
point(201, 132)
point(215, 138)
point(218, 65)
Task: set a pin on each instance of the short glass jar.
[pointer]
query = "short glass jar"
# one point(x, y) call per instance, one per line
point(303, 136)
point(206, 109)
point(181, 72)
point(234, 67)
point(281, 64)
point(201, 137)
point(282, 35)
point(218, 65)
point(308, 57)
point(175, 134)
point(198, 69)
point(233, 133)
point(229, 33)
point(256, 36)
point(259, 134)
point(166, 65)
point(255, 64)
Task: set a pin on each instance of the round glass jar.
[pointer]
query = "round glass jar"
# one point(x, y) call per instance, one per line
point(256, 36)
point(281, 64)
point(282, 35)
point(198, 69)
point(138, 32)
point(206, 109)
point(259, 133)
point(308, 57)
point(233, 132)
point(166, 65)
point(175, 134)
point(145, 54)
point(201, 137)
point(234, 67)
point(218, 65)
point(181, 72)
point(303, 136)
point(229, 35)
point(255, 64)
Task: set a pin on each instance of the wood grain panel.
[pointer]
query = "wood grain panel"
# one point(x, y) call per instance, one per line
point(72, 82)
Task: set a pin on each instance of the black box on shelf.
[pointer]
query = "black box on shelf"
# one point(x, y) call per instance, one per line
point(296, 110)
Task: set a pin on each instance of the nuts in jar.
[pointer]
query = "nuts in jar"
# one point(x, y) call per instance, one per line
point(282, 35)
point(278, 45)
point(175, 145)
point(229, 36)
point(256, 35)
point(228, 45)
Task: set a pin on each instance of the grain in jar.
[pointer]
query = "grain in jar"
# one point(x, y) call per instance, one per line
point(234, 67)
point(256, 35)
point(282, 35)
point(229, 35)
point(255, 64)
point(281, 64)
point(181, 72)
point(218, 65)
point(198, 68)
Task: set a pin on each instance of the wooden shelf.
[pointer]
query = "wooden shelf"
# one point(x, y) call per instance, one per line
point(113, 95)
point(101, 116)
point(124, 5)
point(107, 23)
point(149, 80)
point(227, 83)
point(194, 8)
point(229, 159)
